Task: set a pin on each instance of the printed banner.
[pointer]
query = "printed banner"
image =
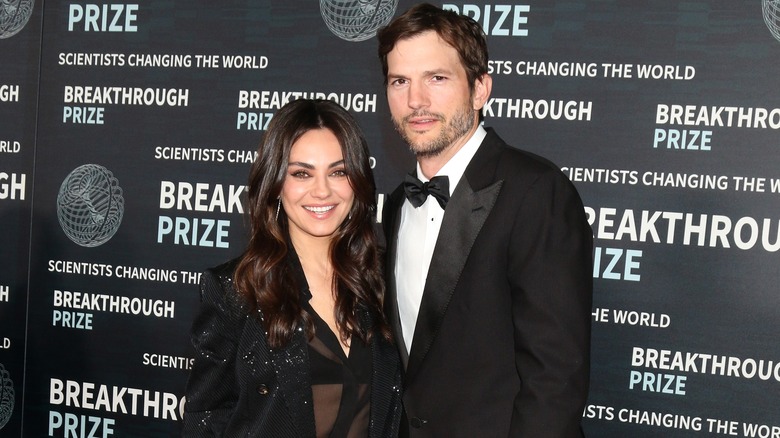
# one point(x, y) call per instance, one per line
point(128, 129)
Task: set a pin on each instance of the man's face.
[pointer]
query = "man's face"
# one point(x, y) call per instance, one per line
point(430, 100)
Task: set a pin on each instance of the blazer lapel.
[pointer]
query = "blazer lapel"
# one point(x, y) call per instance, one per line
point(468, 208)
point(291, 364)
point(464, 216)
point(391, 221)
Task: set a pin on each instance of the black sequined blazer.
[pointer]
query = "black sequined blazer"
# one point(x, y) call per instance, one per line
point(239, 387)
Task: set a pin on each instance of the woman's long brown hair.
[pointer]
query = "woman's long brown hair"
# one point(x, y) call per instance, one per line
point(263, 275)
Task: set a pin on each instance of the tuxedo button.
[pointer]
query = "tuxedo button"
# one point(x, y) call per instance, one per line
point(262, 390)
point(416, 422)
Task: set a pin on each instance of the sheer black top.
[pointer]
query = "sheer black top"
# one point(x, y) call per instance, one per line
point(340, 384)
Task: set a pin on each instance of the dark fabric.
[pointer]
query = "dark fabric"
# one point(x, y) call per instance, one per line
point(239, 387)
point(502, 342)
point(340, 383)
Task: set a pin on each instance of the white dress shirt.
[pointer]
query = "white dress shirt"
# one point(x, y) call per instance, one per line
point(417, 234)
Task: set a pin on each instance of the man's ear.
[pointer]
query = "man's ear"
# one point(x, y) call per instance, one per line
point(482, 88)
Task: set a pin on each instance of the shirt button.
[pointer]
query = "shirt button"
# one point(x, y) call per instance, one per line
point(416, 422)
point(262, 390)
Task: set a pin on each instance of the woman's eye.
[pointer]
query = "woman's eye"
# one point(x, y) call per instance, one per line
point(299, 174)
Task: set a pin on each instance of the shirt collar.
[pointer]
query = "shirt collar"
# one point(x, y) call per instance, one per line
point(456, 166)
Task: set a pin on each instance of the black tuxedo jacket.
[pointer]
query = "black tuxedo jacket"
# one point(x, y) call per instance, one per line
point(502, 341)
point(239, 387)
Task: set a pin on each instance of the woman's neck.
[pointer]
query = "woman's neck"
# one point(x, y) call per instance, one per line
point(314, 255)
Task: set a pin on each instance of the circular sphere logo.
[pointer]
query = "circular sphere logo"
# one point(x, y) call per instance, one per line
point(14, 14)
point(772, 16)
point(6, 396)
point(90, 205)
point(356, 20)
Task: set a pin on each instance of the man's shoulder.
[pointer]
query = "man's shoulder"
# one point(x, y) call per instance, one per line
point(511, 159)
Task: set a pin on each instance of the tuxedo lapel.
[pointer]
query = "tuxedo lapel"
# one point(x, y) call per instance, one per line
point(464, 216)
point(468, 208)
point(391, 221)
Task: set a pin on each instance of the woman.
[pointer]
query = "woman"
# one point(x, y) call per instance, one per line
point(290, 340)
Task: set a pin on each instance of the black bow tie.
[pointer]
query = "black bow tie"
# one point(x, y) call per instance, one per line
point(417, 191)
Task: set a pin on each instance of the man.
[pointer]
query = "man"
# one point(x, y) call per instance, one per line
point(489, 295)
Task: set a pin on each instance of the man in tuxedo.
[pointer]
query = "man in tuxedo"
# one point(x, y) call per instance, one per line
point(489, 278)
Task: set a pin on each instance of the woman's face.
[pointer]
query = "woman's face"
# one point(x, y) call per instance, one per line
point(316, 194)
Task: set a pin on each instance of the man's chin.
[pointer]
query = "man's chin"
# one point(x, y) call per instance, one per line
point(426, 150)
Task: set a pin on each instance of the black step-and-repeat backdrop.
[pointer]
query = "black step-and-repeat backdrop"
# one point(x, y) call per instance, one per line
point(127, 131)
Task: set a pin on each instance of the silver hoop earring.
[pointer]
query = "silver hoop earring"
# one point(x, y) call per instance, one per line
point(278, 207)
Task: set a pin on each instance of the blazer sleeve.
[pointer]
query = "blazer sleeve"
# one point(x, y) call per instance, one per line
point(552, 288)
point(212, 390)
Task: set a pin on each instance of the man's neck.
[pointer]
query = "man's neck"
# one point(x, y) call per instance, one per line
point(431, 165)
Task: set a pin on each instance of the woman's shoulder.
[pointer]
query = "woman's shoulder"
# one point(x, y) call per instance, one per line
point(224, 271)
point(217, 284)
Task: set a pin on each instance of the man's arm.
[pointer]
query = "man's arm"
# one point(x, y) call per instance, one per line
point(552, 287)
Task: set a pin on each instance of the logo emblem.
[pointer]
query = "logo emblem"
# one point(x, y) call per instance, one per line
point(6, 395)
point(771, 10)
point(90, 205)
point(356, 20)
point(14, 14)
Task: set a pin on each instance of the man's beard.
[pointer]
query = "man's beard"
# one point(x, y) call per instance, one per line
point(461, 123)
